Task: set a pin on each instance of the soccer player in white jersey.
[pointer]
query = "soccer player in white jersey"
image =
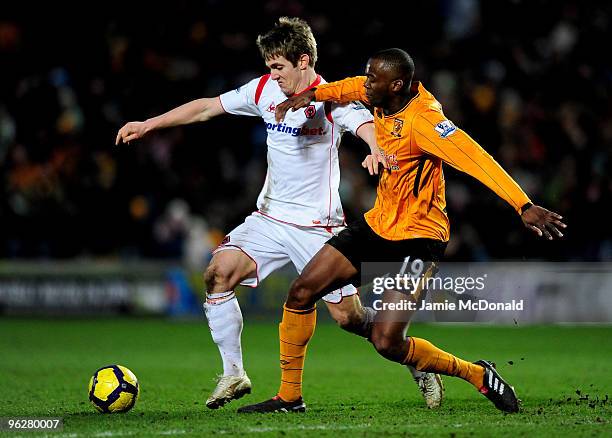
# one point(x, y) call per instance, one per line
point(299, 206)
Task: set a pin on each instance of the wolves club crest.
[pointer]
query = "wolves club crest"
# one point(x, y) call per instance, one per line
point(398, 124)
point(310, 111)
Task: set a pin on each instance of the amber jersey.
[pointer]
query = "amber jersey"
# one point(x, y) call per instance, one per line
point(411, 200)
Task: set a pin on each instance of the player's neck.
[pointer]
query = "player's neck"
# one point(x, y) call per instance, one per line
point(398, 102)
point(308, 76)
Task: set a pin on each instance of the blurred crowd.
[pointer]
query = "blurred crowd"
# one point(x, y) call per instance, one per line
point(529, 80)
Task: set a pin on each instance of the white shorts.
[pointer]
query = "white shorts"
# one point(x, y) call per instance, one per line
point(272, 244)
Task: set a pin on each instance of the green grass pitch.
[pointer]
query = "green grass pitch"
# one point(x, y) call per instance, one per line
point(562, 373)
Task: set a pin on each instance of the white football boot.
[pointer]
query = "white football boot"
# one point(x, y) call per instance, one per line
point(432, 389)
point(229, 388)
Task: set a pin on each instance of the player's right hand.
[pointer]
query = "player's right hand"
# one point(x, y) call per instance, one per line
point(294, 102)
point(131, 131)
point(372, 162)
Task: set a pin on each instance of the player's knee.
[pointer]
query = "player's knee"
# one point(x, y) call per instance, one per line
point(218, 277)
point(300, 295)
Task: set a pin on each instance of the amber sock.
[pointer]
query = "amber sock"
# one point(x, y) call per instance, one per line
point(295, 330)
point(425, 356)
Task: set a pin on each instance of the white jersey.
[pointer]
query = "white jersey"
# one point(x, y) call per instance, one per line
point(301, 186)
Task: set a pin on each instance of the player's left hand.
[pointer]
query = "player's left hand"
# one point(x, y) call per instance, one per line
point(372, 161)
point(294, 102)
point(543, 222)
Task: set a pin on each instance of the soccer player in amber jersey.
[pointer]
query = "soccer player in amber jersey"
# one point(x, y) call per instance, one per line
point(299, 207)
point(408, 220)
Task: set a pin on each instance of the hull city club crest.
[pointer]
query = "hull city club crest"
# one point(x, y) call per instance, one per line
point(398, 124)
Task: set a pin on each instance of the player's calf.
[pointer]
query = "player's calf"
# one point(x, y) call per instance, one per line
point(352, 317)
point(352, 324)
point(389, 344)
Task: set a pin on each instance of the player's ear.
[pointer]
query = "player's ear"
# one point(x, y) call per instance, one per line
point(304, 61)
point(397, 85)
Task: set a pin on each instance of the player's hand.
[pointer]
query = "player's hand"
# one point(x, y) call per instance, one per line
point(294, 102)
point(543, 222)
point(372, 161)
point(131, 131)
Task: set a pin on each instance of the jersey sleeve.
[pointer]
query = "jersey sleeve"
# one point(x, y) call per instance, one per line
point(342, 91)
point(438, 136)
point(241, 101)
point(351, 116)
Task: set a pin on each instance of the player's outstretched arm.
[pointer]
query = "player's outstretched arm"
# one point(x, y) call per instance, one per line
point(199, 110)
point(543, 222)
point(440, 138)
point(294, 102)
point(342, 91)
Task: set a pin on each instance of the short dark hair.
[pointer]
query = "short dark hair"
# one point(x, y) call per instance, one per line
point(396, 60)
point(290, 38)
